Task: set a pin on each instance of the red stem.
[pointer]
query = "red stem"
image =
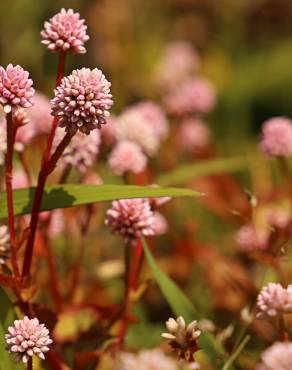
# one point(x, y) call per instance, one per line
point(11, 132)
point(29, 364)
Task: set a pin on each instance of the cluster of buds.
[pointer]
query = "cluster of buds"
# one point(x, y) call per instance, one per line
point(274, 300)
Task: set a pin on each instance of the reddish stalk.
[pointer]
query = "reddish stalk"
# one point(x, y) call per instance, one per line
point(47, 168)
point(29, 364)
point(11, 132)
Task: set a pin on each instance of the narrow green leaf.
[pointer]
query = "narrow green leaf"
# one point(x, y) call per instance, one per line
point(63, 196)
point(236, 353)
point(7, 316)
point(210, 167)
point(182, 306)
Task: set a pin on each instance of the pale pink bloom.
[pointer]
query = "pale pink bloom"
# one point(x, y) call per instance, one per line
point(19, 179)
point(82, 151)
point(276, 137)
point(279, 218)
point(4, 245)
point(82, 100)
point(160, 224)
point(65, 31)
point(133, 126)
point(21, 139)
point(193, 134)
point(274, 300)
point(145, 360)
point(27, 338)
point(130, 218)
point(127, 156)
point(197, 95)
point(108, 131)
point(3, 143)
point(40, 114)
point(250, 238)
point(155, 116)
point(15, 88)
point(277, 357)
point(178, 62)
point(92, 178)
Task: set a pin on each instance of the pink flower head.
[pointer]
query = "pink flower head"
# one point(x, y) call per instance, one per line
point(4, 245)
point(279, 218)
point(127, 156)
point(160, 224)
point(133, 126)
point(130, 218)
point(196, 95)
point(15, 88)
point(155, 116)
point(82, 150)
point(65, 31)
point(40, 114)
point(274, 300)
point(178, 62)
point(28, 337)
point(277, 357)
point(146, 360)
point(193, 135)
point(82, 100)
point(108, 131)
point(277, 137)
point(249, 238)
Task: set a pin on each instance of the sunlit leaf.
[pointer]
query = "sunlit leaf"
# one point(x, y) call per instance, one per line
point(63, 196)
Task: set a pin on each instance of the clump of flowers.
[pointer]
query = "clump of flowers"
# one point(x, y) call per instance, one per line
point(82, 101)
point(65, 31)
point(27, 338)
point(193, 135)
point(183, 338)
point(274, 300)
point(277, 357)
point(276, 138)
point(146, 360)
point(4, 245)
point(15, 88)
point(130, 218)
point(127, 156)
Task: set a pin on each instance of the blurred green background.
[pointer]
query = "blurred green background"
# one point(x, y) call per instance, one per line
point(245, 45)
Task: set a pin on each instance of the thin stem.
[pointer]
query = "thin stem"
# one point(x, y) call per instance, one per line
point(236, 353)
point(29, 364)
point(11, 132)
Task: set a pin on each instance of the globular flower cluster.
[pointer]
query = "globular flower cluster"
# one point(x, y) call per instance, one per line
point(276, 138)
point(183, 338)
point(276, 357)
point(193, 135)
point(82, 101)
point(27, 338)
point(196, 95)
point(65, 31)
point(146, 360)
point(274, 300)
point(127, 156)
point(82, 151)
point(15, 88)
point(4, 245)
point(130, 218)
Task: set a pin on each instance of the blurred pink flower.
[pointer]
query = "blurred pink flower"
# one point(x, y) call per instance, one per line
point(196, 95)
point(3, 142)
point(65, 31)
point(57, 223)
point(127, 156)
point(277, 137)
point(160, 224)
point(4, 245)
point(27, 338)
point(145, 360)
point(40, 114)
point(130, 218)
point(82, 100)
point(274, 300)
point(108, 131)
point(277, 357)
point(19, 179)
point(279, 218)
point(249, 238)
point(178, 62)
point(92, 178)
point(193, 134)
point(15, 88)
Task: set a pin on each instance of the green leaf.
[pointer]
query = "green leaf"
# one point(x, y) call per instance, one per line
point(7, 316)
point(182, 306)
point(210, 167)
point(63, 196)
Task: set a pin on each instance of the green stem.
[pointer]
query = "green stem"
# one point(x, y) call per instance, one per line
point(236, 353)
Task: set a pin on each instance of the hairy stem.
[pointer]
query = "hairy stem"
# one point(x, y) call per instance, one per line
point(11, 132)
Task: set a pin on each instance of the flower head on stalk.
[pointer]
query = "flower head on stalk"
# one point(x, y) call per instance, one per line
point(274, 300)
point(131, 218)
point(82, 101)
point(65, 31)
point(277, 357)
point(4, 245)
point(15, 88)
point(27, 338)
point(183, 338)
